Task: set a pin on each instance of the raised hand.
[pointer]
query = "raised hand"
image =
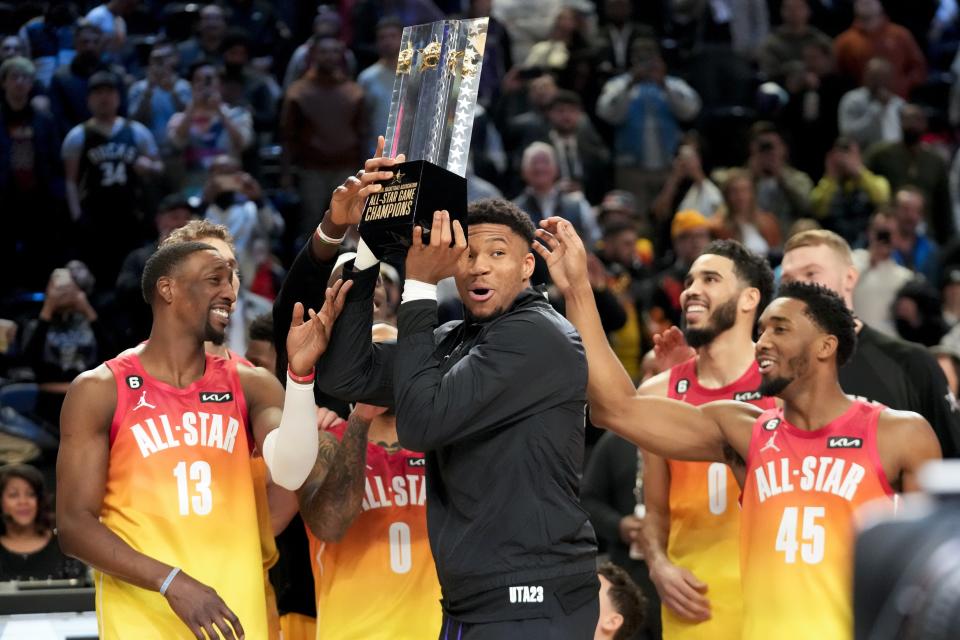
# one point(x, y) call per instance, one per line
point(670, 348)
point(346, 204)
point(202, 610)
point(437, 260)
point(563, 251)
point(308, 340)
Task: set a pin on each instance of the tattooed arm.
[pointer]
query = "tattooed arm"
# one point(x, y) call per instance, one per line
point(330, 498)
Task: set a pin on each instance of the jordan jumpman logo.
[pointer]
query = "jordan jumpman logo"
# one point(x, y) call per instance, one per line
point(143, 402)
point(771, 444)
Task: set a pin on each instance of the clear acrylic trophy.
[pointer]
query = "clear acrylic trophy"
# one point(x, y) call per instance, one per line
point(431, 122)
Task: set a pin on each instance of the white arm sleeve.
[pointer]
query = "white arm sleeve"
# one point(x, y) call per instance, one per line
point(365, 258)
point(290, 450)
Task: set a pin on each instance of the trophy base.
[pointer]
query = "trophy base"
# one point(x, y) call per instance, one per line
point(417, 189)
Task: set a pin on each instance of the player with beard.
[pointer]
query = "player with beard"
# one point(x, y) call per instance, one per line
point(692, 524)
point(804, 468)
point(155, 458)
point(497, 404)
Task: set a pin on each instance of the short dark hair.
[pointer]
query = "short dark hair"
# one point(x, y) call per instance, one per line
point(829, 312)
point(164, 261)
point(750, 268)
point(389, 22)
point(236, 36)
point(500, 211)
point(199, 64)
point(261, 328)
point(627, 599)
point(763, 128)
point(565, 96)
point(172, 202)
point(616, 228)
point(33, 477)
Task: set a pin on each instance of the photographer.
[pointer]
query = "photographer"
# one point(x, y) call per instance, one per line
point(208, 127)
point(67, 337)
point(781, 189)
point(880, 276)
point(637, 104)
point(848, 193)
point(233, 198)
point(155, 99)
point(687, 186)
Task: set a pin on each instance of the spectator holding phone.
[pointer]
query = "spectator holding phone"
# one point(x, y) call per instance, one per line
point(67, 337)
point(155, 99)
point(848, 193)
point(233, 198)
point(208, 127)
point(880, 276)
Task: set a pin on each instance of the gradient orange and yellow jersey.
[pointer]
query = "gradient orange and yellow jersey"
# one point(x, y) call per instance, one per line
point(800, 496)
point(268, 544)
point(180, 489)
point(705, 516)
point(379, 582)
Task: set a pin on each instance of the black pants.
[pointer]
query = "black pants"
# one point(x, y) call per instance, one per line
point(577, 625)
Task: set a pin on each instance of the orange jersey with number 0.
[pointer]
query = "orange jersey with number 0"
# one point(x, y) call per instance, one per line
point(705, 515)
point(379, 582)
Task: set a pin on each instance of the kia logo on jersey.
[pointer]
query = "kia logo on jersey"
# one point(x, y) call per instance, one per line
point(747, 396)
point(416, 462)
point(844, 442)
point(215, 396)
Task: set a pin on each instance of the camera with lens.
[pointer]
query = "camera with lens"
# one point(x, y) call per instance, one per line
point(907, 564)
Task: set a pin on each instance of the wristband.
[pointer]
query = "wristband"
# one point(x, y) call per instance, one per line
point(307, 379)
point(166, 583)
point(322, 237)
point(417, 290)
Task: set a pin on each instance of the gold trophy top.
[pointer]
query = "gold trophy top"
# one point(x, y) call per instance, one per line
point(405, 60)
point(430, 56)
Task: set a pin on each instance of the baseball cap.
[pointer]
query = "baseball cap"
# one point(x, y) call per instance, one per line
point(618, 200)
point(103, 79)
point(688, 220)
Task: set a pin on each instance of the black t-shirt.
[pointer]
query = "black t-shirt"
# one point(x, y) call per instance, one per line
point(902, 375)
point(48, 562)
point(22, 153)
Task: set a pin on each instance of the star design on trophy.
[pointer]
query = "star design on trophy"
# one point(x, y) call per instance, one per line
point(398, 177)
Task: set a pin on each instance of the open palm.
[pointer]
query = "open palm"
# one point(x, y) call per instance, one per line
point(564, 253)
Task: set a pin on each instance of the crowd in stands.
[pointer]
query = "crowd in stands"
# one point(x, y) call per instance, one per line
point(653, 126)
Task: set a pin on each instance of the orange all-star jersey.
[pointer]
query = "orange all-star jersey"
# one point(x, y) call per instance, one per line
point(180, 489)
point(705, 515)
point(799, 499)
point(379, 582)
